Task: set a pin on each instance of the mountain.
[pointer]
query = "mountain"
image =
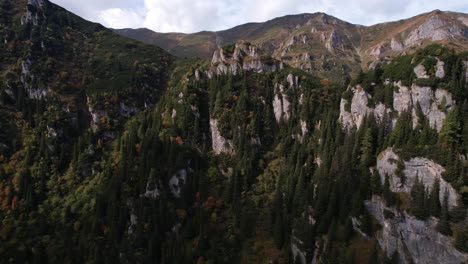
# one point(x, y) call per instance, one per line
point(115, 151)
point(319, 42)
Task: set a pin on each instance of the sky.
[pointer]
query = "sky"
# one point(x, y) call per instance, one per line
point(190, 16)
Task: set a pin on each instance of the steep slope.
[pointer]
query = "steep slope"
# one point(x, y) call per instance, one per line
point(112, 151)
point(65, 83)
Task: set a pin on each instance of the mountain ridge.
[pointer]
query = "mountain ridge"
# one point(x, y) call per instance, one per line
point(338, 42)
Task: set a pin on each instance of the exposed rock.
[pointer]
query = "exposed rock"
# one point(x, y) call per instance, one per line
point(244, 57)
point(127, 111)
point(401, 98)
point(293, 81)
point(433, 29)
point(357, 227)
point(152, 190)
point(380, 111)
point(420, 72)
point(297, 253)
point(219, 143)
point(414, 240)
point(466, 70)
point(440, 72)
point(359, 109)
point(177, 182)
point(334, 42)
point(406, 99)
point(27, 79)
point(304, 128)
point(464, 20)
point(395, 45)
point(426, 170)
point(281, 104)
point(96, 115)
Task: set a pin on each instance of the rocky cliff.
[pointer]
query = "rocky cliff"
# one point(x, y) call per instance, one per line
point(413, 240)
point(422, 169)
point(321, 43)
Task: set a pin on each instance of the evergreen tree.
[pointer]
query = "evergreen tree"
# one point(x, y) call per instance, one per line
point(434, 200)
point(388, 195)
point(444, 224)
point(418, 195)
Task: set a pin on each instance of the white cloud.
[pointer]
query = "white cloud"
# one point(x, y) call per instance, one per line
point(197, 15)
point(121, 18)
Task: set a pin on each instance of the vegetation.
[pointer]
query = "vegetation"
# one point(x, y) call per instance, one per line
point(114, 162)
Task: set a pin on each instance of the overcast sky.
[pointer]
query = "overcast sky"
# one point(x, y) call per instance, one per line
point(196, 15)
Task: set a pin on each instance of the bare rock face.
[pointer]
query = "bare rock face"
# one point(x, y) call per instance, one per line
point(440, 72)
point(401, 98)
point(281, 104)
point(420, 72)
point(334, 42)
point(152, 190)
point(434, 105)
point(219, 143)
point(423, 169)
point(27, 79)
point(433, 29)
point(414, 240)
point(244, 57)
point(396, 45)
point(359, 109)
point(177, 182)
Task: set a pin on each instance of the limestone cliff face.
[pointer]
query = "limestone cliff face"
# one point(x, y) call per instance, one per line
point(359, 109)
point(434, 104)
point(423, 169)
point(281, 104)
point(435, 28)
point(219, 143)
point(245, 56)
point(414, 240)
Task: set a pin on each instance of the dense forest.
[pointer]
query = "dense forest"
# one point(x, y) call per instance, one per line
point(112, 151)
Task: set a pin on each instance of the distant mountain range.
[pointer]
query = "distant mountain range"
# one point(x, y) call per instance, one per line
point(320, 42)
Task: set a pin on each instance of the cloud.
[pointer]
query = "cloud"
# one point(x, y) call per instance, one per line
point(196, 15)
point(121, 18)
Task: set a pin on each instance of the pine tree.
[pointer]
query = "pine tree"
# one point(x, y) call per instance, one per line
point(388, 195)
point(418, 195)
point(444, 225)
point(434, 201)
point(367, 149)
point(376, 183)
point(450, 133)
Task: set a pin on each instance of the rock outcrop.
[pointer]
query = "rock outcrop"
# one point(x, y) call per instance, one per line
point(177, 182)
point(423, 169)
point(414, 240)
point(435, 29)
point(219, 143)
point(434, 104)
point(334, 42)
point(420, 72)
point(245, 56)
point(359, 109)
point(440, 71)
point(281, 104)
